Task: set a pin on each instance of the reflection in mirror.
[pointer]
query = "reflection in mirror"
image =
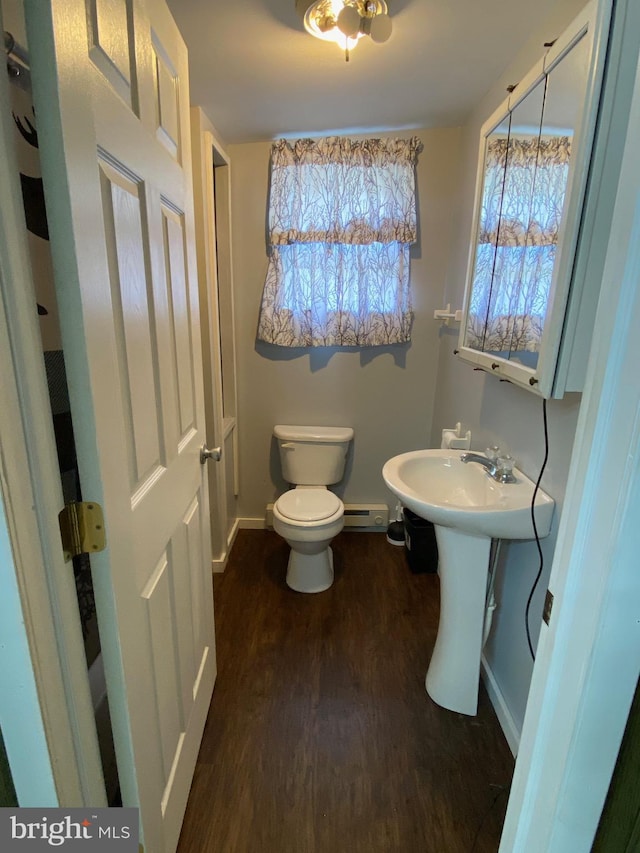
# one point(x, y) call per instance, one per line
point(525, 179)
point(563, 97)
point(519, 261)
point(488, 233)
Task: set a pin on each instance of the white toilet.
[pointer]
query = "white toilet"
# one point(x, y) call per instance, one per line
point(309, 516)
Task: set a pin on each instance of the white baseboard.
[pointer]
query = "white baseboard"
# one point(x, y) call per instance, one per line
point(231, 538)
point(507, 723)
point(252, 524)
point(219, 565)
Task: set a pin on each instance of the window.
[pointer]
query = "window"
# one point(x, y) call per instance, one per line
point(342, 218)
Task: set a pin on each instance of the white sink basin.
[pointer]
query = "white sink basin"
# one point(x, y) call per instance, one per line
point(468, 509)
point(437, 486)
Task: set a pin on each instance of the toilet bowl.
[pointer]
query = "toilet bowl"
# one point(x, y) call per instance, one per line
point(308, 519)
point(309, 516)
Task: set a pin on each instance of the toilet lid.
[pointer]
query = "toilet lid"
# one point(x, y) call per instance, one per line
point(308, 504)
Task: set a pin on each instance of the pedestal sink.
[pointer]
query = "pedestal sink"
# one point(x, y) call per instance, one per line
point(468, 509)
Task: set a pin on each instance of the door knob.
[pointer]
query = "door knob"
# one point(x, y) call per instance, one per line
point(215, 454)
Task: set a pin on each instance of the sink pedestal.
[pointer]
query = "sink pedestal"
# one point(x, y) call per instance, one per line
point(454, 672)
point(468, 508)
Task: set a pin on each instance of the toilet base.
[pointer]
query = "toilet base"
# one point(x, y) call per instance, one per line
point(310, 572)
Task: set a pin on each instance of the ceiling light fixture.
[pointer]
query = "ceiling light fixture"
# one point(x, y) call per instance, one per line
point(346, 21)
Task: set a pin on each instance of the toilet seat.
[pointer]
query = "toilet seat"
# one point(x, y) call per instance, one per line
point(308, 505)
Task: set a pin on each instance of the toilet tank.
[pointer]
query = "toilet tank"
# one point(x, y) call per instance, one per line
point(312, 456)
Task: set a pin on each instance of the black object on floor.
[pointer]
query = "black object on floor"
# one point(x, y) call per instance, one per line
point(395, 533)
point(420, 541)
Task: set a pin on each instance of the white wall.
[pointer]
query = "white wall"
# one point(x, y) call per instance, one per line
point(385, 393)
point(499, 413)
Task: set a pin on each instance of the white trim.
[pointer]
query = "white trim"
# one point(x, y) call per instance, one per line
point(205, 233)
point(219, 565)
point(231, 538)
point(252, 523)
point(206, 147)
point(229, 424)
point(507, 723)
point(588, 659)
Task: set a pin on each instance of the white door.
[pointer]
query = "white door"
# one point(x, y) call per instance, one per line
point(112, 103)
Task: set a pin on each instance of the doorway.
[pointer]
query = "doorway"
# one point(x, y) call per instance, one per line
point(212, 197)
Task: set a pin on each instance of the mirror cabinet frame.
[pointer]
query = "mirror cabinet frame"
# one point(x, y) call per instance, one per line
point(549, 377)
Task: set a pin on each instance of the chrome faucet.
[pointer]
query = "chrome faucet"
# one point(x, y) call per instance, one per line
point(500, 469)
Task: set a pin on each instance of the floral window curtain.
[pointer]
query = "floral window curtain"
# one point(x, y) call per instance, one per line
point(519, 222)
point(342, 216)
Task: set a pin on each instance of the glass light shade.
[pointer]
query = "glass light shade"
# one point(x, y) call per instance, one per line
point(335, 20)
point(380, 28)
point(320, 20)
point(349, 21)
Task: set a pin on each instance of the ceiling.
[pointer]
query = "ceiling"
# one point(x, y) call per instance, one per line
point(259, 75)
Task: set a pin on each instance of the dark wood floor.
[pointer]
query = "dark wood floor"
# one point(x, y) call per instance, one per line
point(321, 737)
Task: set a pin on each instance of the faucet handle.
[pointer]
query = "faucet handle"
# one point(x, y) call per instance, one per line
point(505, 465)
point(492, 453)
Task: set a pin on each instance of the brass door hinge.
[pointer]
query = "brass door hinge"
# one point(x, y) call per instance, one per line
point(548, 606)
point(82, 529)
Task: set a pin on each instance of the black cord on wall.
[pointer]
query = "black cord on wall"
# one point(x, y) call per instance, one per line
point(535, 527)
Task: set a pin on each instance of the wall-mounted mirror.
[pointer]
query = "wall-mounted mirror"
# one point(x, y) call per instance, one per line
point(533, 166)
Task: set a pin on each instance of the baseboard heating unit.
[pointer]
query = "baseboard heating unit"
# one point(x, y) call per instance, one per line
point(355, 515)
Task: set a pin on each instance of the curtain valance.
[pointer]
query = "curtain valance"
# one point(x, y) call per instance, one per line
point(525, 180)
point(340, 190)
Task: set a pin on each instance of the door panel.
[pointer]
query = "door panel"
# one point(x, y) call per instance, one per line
point(110, 43)
point(193, 527)
point(166, 85)
point(118, 180)
point(175, 260)
point(183, 597)
point(161, 624)
point(133, 302)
